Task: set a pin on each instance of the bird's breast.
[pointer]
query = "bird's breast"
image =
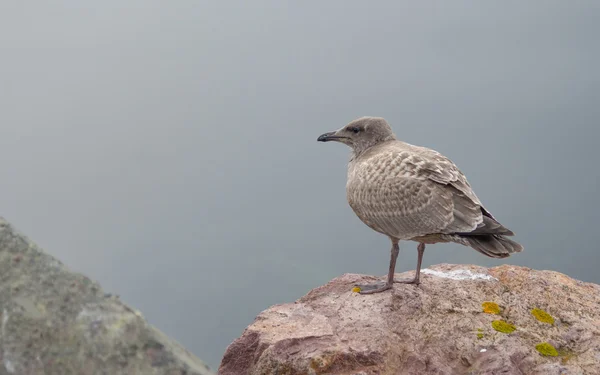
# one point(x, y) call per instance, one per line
point(359, 187)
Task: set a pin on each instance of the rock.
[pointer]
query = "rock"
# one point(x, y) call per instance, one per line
point(54, 321)
point(438, 327)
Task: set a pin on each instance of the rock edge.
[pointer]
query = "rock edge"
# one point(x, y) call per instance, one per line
point(439, 327)
point(54, 321)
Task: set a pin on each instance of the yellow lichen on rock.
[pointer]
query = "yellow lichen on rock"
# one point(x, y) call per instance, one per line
point(490, 308)
point(542, 316)
point(480, 334)
point(356, 289)
point(502, 326)
point(546, 349)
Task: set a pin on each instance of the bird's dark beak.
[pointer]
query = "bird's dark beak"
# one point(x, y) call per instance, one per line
point(330, 136)
point(326, 137)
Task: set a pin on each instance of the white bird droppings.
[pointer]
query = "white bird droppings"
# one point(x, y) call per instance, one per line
point(459, 275)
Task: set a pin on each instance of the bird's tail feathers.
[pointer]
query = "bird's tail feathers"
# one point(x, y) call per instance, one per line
point(493, 245)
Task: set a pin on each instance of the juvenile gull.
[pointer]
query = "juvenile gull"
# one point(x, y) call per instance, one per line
point(414, 193)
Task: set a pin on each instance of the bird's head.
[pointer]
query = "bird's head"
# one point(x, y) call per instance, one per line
point(361, 134)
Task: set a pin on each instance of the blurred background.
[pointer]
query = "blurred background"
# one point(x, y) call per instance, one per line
point(168, 149)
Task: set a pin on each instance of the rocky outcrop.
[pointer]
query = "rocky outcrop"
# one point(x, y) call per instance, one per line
point(460, 320)
point(54, 321)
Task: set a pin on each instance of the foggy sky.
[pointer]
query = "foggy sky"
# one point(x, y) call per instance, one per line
point(168, 149)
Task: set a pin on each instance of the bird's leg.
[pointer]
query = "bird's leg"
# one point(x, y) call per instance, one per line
point(416, 280)
point(380, 287)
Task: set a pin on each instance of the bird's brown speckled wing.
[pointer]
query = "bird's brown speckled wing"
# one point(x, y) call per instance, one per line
point(406, 191)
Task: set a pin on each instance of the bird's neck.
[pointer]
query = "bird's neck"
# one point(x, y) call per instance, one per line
point(359, 150)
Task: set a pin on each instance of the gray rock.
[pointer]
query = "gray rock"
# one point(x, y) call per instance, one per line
point(445, 326)
point(54, 321)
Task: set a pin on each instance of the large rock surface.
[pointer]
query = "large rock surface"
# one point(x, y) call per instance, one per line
point(54, 321)
point(438, 327)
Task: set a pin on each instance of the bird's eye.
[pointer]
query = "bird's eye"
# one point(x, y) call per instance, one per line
point(355, 129)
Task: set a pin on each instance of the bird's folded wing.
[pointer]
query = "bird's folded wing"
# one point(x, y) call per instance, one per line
point(407, 195)
point(402, 207)
point(430, 164)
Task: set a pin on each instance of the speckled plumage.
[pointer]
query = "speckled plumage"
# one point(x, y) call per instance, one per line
point(405, 191)
point(414, 193)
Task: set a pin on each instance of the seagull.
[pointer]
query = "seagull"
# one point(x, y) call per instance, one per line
point(413, 193)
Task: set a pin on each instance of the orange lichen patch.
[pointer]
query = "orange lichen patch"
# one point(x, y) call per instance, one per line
point(319, 363)
point(546, 349)
point(566, 359)
point(566, 355)
point(510, 274)
point(490, 308)
point(542, 316)
point(356, 289)
point(502, 326)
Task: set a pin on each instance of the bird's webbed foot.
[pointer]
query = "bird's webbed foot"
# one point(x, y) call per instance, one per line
point(373, 288)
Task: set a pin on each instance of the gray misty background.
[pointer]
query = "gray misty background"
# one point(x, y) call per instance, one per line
point(168, 149)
